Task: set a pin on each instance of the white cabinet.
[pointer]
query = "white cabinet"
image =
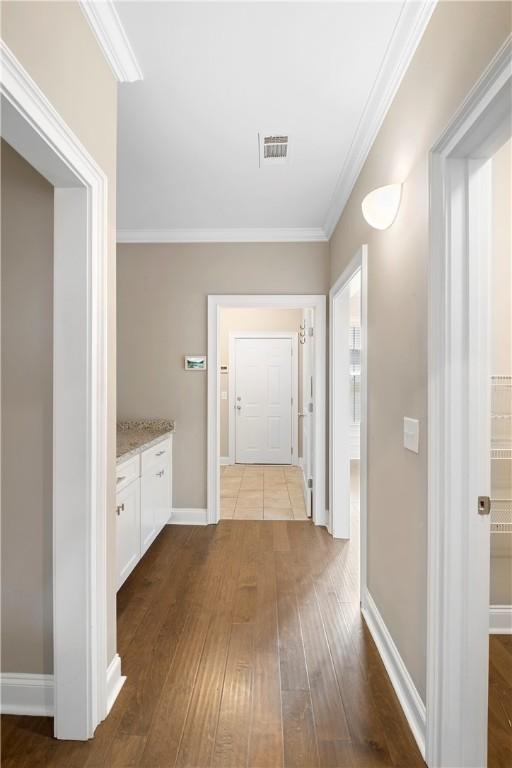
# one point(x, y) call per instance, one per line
point(144, 503)
point(128, 530)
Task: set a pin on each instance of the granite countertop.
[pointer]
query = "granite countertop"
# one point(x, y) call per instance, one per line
point(138, 434)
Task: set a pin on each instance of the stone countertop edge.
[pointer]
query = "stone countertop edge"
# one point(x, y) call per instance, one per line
point(144, 445)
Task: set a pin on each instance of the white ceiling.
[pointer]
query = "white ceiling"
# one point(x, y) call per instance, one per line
point(217, 73)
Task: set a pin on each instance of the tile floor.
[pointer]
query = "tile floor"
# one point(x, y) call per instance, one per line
point(261, 492)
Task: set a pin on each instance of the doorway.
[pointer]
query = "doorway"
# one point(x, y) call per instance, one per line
point(76, 694)
point(347, 433)
point(460, 508)
point(257, 430)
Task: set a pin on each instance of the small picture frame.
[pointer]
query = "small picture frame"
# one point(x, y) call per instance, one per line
point(195, 362)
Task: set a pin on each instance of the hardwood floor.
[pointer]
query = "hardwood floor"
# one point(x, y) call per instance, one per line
point(500, 701)
point(243, 646)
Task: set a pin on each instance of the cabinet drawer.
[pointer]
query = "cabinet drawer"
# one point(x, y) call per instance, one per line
point(127, 471)
point(158, 454)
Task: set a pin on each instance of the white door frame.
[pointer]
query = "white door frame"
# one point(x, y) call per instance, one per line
point(339, 447)
point(36, 131)
point(233, 336)
point(293, 301)
point(458, 421)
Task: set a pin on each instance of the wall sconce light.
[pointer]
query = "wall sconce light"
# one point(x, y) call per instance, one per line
point(380, 207)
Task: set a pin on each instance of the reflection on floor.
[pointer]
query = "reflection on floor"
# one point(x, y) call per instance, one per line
point(261, 492)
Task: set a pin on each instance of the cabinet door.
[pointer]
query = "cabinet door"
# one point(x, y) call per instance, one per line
point(150, 488)
point(128, 530)
point(163, 511)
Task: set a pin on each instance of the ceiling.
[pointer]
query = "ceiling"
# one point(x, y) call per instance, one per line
point(214, 75)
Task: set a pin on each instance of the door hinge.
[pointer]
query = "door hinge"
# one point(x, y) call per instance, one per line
point(310, 482)
point(310, 407)
point(311, 331)
point(484, 505)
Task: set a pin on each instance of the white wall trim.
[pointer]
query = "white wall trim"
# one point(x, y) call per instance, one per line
point(189, 517)
point(234, 235)
point(500, 620)
point(407, 34)
point(317, 303)
point(35, 129)
point(23, 694)
point(408, 696)
point(115, 681)
point(458, 562)
point(112, 39)
point(294, 337)
point(225, 460)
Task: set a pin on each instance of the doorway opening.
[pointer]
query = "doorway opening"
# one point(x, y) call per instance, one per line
point(76, 690)
point(266, 386)
point(467, 487)
point(347, 433)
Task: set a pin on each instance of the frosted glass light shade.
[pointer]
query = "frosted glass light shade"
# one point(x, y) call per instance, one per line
point(380, 207)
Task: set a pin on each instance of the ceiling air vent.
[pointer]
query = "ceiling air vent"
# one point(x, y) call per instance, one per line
point(274, 149)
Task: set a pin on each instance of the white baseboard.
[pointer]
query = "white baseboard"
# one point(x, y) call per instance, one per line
point(225, 460)
point(409, 698)
point(500, 620)
point(24, 694)
point(189, 517)
point(115, 681)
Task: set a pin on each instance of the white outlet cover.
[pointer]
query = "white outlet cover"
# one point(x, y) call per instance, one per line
point(412, 434)
point(223, 395)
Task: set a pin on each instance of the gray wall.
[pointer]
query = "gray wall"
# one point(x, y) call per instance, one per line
point(458, 44)
point(162, 315)
point(27, 416)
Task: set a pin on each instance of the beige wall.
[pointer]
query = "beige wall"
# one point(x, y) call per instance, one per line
point(162, 297)
point(501, 330)
point(458, 43)
point(55, 44)
point(232, 319)
point(27, 415)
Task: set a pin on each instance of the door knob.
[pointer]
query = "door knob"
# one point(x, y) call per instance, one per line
point(239, 407)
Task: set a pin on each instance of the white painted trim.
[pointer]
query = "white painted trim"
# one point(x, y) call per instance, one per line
point(233, 235)
point(305, 488)
point(294, 337)
point(458, 421)
point(112, 39)
point(407, 694)
point(115, 681)
point(500, 620)
point(225, 460)
point(189, 517)
point(293, 301)
point(413, 20)
point(36, 130)
point(23, 694)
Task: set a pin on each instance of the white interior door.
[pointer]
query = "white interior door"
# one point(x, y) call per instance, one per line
point(263, 400)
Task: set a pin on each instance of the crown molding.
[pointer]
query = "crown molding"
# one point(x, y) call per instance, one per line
point(236, 235)
point(112, 39)
point(411, 25)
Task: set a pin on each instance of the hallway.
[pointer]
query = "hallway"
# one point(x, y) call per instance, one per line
point(243, 646)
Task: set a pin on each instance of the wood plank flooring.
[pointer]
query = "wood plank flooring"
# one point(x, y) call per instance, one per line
point(243, 646)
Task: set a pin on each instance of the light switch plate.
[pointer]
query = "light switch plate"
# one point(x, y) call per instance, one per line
point(411, 434)
point(223, 394)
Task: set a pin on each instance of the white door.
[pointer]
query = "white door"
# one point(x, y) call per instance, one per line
point(263, 401)
point(128, 530)
point(307, 415)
